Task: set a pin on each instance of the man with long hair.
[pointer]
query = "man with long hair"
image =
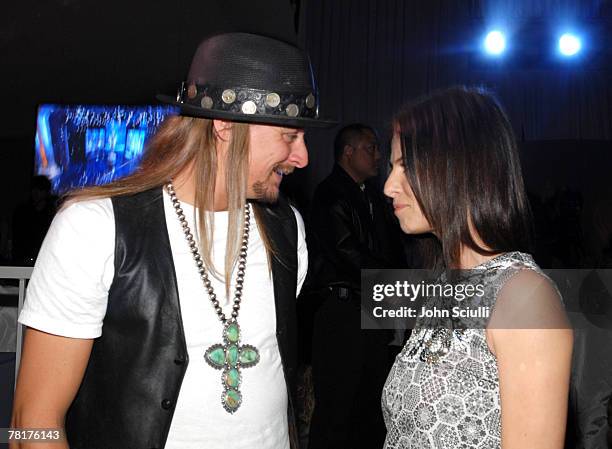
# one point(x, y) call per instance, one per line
point(161, 309)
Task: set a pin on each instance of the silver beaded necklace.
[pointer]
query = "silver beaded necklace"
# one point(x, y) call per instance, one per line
point(230, 356)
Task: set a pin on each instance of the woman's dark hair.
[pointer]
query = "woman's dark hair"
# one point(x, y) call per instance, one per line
point(461, 160)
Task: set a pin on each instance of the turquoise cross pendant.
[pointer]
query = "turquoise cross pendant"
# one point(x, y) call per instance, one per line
point(231, 357)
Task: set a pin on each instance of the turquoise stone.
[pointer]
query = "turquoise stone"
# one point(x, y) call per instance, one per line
point(232, 355)
point(248, 356)
point(232, 333)
point(216, 355)
point(232, 399)
point(232, 378)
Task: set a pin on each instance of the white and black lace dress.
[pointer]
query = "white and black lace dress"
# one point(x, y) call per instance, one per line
point(443, 389)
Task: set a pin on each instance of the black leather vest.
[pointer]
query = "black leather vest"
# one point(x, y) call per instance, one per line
point(132, 381)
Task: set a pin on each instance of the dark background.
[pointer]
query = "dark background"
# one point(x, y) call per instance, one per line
point(369, 56)
point(110, 52)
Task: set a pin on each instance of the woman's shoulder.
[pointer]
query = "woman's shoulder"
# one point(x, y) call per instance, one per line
point(515, 259)
point(516, 267)
point(527, 298)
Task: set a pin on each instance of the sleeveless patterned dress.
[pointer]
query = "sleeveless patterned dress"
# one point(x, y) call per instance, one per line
point(443, 389)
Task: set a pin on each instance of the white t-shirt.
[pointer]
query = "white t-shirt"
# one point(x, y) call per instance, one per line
point(68, 295)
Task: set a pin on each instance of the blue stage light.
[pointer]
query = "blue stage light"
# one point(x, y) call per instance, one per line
point(569, 44)
point(495, 43)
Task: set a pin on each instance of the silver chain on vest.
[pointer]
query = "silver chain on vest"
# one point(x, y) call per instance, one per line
point(193, 247)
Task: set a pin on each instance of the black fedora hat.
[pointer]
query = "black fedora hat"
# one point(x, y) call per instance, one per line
point(250, 78)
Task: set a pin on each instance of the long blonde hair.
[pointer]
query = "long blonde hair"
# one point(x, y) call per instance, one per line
point(179, 142)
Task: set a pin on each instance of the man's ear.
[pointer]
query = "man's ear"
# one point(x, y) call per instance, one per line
point(223, 129)
point(348, 150)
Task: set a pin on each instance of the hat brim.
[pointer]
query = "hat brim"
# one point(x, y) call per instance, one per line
point(290, 122)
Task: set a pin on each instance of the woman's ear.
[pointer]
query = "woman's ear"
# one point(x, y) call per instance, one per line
point(223, 129)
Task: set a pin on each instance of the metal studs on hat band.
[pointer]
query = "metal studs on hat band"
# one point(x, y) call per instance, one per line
point(228, 96)
point(310, 101)
point(241, 100)
point(207, 102)
point(292, 110)
point(273, 100)
point(249, 107)
point(179, 93)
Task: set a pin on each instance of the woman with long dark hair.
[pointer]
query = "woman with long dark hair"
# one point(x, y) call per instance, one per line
point(455, 173)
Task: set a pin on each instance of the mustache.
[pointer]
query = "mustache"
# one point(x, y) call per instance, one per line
point(283, 169)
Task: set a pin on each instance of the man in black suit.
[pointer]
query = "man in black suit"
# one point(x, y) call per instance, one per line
point(351, 229)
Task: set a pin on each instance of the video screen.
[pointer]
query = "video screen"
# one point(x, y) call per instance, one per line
point(82, 145)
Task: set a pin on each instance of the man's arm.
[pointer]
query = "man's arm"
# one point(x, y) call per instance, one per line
point(50, 374)
point(64, 308)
